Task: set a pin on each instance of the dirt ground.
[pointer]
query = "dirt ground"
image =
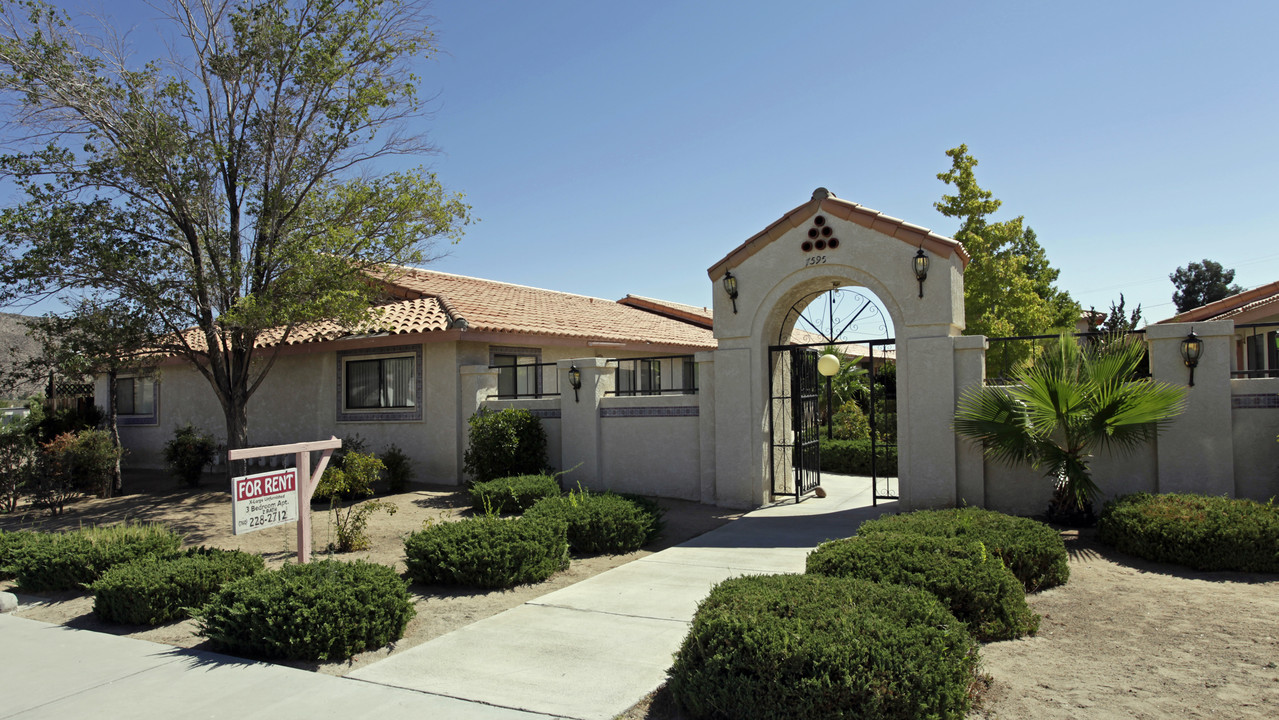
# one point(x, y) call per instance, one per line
point(1127, 638)
point(203, 516)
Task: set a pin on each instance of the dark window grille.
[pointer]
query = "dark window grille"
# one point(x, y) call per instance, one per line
point(517, 379)
point(643, 376)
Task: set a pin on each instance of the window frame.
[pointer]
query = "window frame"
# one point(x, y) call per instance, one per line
point(135, 418)
point(410, 413)
point(496, 351)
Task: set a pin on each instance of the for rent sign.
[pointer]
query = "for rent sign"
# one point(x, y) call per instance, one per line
point(264, 500)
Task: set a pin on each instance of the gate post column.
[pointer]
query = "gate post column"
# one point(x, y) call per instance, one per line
point(928, 476)
point(970, 466)
point(580, 420)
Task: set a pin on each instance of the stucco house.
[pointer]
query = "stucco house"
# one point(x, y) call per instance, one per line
point(1255, 314)
point(401, 384)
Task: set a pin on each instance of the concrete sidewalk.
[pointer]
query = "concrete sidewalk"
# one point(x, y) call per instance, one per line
point(587, 651)
point(591, 650)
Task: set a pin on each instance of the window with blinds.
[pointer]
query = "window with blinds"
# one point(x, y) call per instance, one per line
point(380, 383)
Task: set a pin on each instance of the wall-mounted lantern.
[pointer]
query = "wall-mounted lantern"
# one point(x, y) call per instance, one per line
point(730, 287)
point(575, 379)
point(1191, 349)
point(921, 268)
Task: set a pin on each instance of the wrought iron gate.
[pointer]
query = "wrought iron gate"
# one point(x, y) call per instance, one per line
point(885, 484)
point(794, 421)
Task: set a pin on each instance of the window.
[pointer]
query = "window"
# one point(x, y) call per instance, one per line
point(518, 374)
point(639, 377)
point(136, 400)
point(380, 384)
point(690, 376)
point(1272, 352)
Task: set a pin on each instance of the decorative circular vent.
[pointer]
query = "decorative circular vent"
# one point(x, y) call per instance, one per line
point(820, 236)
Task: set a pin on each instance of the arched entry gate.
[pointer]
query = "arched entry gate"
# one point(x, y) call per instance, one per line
point(841, 321)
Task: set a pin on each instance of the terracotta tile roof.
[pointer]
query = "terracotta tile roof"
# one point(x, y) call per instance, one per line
point(825, 201)
point(805, 337)
point(688, 313)
point(1234, 306)
point(491, 306)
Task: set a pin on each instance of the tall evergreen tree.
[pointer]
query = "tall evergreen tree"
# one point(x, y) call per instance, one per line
point(1009, 285)
point(1201, 283)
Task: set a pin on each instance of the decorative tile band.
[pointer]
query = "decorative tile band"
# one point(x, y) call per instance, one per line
point(1261, 400)
point(689, 411)
point(550, 414)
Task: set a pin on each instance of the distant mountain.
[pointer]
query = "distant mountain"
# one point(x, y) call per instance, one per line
point(15, 347)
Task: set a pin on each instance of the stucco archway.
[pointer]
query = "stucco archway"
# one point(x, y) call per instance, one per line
point(785, 262)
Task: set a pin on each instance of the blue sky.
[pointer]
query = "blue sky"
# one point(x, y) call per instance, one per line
point(612, 148)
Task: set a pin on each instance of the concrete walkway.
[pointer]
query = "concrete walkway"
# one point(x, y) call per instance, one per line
point(587, 651)
point(591, 650)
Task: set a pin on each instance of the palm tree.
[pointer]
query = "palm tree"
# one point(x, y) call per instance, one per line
point(1064, 404)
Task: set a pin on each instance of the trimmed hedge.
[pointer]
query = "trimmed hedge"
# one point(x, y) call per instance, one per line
point(852, 457)
point(487, 552)
point(505, 443)
point(72, 560)
point(152, 591)
point(324, 610)
point(973, 584)
point(512, 494)
point(1033, 551)
point(11, 543)
point(1198, 531)
point(598, 523)
point(812, 646)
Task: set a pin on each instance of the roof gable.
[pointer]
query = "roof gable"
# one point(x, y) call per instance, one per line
point(825, 201)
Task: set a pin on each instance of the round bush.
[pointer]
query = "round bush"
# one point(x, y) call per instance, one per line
point(604, 523)
point(973, 584)
point(153, 590)
point(1205, 533)
point(1033, 551)
point(812, 646)
point(71, 560)
point(324, 610)
point(487, 552)
point(512, 494)
point(506, 443)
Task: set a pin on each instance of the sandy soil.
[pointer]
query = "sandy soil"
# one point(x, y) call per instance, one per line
point(1127, 638)
point(203, 516)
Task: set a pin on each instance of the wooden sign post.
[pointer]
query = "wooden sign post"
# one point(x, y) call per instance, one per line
point(305, 481)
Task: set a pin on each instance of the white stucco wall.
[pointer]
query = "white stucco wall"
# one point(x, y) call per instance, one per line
point(646, 451)
point(1255, 417)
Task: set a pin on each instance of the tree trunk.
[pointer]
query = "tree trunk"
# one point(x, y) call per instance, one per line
point(237, 429)
point(115, 486)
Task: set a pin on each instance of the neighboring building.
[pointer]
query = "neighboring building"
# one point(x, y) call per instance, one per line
point(402, 383)
point(1255, 314)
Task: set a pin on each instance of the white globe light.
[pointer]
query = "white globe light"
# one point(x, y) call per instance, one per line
point(828, 365)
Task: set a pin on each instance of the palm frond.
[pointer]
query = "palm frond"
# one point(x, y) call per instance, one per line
point(999, 421)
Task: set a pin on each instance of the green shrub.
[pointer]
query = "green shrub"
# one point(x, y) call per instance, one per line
point(506, 443)
point(11, 544)
point(153, 590)
point(487, 552)
point(71, 560)
point(351, 479)
point(399, 470)
point(850, 422)
point(655, 512)
point(811, 646)
point(188, 452)
point(1198, 531)
point(512, 494)
point(72, 464)
point(972, 583)
point(325, 610)
point(597, 523)
point(852, 457)
point(1033, 551)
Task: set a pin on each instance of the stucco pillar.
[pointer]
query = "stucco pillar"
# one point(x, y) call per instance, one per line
point(928, 475)
point(476, 383)
point(1196, 452)
point(970, 467)
point(739, 439)
point(580, 421)
point(706, 423)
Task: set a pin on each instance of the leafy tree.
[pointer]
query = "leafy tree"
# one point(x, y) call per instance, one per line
point(1201, 283)
point(1009, 285)
point(1118, 320)
point(230, 191)
point(1070, 401)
